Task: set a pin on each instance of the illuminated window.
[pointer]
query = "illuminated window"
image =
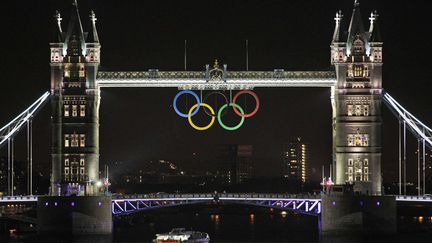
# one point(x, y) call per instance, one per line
point(66, 140)
point(350, 140)
point(366, 174)
point(66, 162)
point(350, 71)
point(365, 71)
point(366, 110)
point(66, 110)
point(66, 73)
point(82, 110)
point(358, 46)
point(82, 161)
point(74, 110)
point(366, 162)
point(81, 72)
point(350, 173)
point(82, 171)
point(82, 140)
point(364, 140)
point(357, 140)
point(66, 170)
point(55, 56)
point(74, 171)
point(74, 140)
point(350, 110)
point(357, 110)
point(358, 172)
point(358, 71)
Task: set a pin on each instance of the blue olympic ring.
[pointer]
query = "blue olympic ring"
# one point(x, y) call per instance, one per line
point(186, 92)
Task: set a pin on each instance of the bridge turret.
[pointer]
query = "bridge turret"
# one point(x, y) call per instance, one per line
point(75, 109)
point(357, 105)
point(338, 45)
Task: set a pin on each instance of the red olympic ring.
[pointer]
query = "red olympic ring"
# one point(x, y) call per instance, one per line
point(256, 101)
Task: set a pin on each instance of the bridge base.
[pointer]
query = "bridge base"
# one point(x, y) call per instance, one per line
point(347, 214)
point(74, 215)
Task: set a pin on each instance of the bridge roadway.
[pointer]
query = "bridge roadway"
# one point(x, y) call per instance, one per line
point(127, 204)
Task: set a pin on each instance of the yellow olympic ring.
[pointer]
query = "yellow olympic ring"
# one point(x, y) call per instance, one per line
point(197, 127)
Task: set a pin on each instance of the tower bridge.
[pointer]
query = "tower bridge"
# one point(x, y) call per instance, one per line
point(356, 99)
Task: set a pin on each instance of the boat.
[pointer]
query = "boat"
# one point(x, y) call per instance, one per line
point(181, 235)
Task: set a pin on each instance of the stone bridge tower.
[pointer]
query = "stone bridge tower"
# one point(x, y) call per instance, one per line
point(75, 58)
point(356, 100)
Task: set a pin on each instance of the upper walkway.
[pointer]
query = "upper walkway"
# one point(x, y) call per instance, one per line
point(216, 79)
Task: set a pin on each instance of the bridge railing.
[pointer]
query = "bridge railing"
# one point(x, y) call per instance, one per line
point(19, 198)
point(214, 195)
point(411, 198)
point(269, 196)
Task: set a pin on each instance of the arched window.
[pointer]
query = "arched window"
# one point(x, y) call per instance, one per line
point(358, 46)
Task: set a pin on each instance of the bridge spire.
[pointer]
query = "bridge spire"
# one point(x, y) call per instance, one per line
point(58, 33)
point(93, 35)
point(337, 35)
point(75, 27)
point(356, 28)
point(375, 35)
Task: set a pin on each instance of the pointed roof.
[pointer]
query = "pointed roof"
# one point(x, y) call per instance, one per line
point(58, 33)
point(93, 35)
point(375, 34)
point(337, 35)
point(75, 26)
point(356, 24)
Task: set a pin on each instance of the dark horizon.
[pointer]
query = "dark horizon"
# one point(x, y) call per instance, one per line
point(138, 125)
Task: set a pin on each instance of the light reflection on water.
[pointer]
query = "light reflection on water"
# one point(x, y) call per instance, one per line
point(244, 227)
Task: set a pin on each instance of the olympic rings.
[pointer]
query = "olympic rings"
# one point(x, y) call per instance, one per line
point(225, 126)
point(186, 92)
point(214, 92)
point(256, 101)
point(190, 117)
point(237, 109)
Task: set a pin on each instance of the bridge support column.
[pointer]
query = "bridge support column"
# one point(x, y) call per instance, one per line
point(347, 214)
point(84, 215)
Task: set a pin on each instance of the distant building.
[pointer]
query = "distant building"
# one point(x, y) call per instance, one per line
point(295, 159)
point(20, 177)
point(235, 163)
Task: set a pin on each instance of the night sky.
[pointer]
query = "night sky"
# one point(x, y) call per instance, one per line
point(139, 124)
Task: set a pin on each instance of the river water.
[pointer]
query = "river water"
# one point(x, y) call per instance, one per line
point(238, 225)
